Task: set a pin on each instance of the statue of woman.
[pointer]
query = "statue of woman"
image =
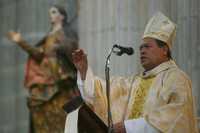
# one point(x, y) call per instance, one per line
point(50, 75)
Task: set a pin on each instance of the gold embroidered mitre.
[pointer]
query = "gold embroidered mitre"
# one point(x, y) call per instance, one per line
point(162, 28)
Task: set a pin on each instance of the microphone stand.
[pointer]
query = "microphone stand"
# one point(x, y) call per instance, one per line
point(107, 74)
point(107, 71)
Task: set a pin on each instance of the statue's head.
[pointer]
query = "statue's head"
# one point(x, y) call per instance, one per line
point(57, 14)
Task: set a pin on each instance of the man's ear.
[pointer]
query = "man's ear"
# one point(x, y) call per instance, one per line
point(165, 48)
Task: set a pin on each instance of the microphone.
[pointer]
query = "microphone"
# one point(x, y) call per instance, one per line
point(123, 50)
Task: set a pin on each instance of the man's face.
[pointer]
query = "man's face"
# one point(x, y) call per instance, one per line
point(151, 54)
point(55, 16)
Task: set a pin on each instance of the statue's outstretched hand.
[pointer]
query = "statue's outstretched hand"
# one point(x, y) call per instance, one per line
point(14, 36)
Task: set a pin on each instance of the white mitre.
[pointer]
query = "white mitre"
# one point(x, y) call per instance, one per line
point(162, 28)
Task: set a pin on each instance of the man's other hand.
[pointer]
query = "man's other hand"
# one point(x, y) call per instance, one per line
point(79, 59)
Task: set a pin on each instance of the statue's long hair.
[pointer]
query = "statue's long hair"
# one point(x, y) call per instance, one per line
point(69, 32)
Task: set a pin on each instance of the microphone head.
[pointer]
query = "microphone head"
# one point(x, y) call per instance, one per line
point(123, 50)
point(130, 51)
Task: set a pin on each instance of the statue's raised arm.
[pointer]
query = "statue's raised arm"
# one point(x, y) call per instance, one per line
point(16, 37)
